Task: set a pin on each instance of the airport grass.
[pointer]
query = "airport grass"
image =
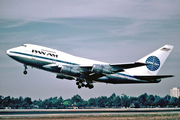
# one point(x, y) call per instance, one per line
point(102, 117)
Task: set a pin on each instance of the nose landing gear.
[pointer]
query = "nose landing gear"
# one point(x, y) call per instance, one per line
point(25, 67)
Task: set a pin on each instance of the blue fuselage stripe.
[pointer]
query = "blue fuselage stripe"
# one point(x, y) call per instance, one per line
point(44, 58)
point(31, 55)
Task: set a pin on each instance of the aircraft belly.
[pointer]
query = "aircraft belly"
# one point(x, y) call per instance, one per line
point(119, 80)
point(29, 61)
point(34, 63)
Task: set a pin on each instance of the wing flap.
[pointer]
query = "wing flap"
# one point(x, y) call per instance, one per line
point(108, 68)
point(128, 65)
point(152, 77)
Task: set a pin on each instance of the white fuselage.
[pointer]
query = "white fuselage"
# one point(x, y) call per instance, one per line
point(44, 58)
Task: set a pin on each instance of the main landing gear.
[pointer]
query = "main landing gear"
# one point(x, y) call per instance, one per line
point(25, 68)
point(80, 83)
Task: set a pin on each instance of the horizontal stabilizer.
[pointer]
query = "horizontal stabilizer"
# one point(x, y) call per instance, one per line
point(152, 77)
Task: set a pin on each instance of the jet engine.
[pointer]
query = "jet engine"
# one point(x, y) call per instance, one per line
point(70, 70)
point(64, 77)
point(99, 69)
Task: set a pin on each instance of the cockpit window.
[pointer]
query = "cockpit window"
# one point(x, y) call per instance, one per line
point(24, 45)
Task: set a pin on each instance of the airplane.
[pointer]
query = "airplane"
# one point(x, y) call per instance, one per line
point(86, 71)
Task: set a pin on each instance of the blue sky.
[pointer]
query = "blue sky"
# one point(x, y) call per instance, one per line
point(106, 30)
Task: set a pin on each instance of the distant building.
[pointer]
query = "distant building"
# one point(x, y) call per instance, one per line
point(175, 92)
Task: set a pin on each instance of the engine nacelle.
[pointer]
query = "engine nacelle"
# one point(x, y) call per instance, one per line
point(64, 77)
point(99, 69)
point(70, 70)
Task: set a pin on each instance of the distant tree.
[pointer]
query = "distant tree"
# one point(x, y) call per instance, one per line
point(133, 102)
point(59, 103)
point(166, 100)
point(1, 101)
point(111, 100)
point(47, 104)
point(92, 102)
point(27, 103)
point(67, 103)
point(160, 102)
point(85, 104)
point(143, 100)
point(12, 103)
point(178, 101)
point(136, 104)
point(112, 96)
point(167, 97)
point(39, 103)
point(7, 101)
point(173, 102)
point(117, 101)
point(54, 100)
point(20, 100)
point(150, 100)
point(82, 104)
point(157, 97)
point(76, 99)
point(125, 101)
point(102, 101)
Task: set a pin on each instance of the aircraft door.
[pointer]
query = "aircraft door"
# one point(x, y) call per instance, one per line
point(54, 59)
point(34, 52)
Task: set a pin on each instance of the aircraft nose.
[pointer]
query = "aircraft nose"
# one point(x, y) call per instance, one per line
point(7, 52)
point(11, 52)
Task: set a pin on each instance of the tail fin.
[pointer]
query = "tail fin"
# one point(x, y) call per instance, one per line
point(155, 60)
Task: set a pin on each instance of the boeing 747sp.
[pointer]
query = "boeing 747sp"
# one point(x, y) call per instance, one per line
point(86, 71)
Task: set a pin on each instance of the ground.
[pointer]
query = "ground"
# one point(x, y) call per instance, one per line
point(103, 117)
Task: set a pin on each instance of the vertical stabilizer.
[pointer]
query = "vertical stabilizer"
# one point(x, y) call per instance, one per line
point(155, 60)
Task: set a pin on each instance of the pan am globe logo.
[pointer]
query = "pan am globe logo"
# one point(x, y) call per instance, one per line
point(154, 63)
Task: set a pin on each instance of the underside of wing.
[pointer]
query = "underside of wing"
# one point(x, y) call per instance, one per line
point(94, 71)
point(153, 77)
point(110, 68)
point(51, 67)
point(60, 76)
point(128, 65)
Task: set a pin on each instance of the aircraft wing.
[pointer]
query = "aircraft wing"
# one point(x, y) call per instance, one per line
point(128, 65)
point(52, 67)
point(91, 71)
point(111, 68)
point(152, 77)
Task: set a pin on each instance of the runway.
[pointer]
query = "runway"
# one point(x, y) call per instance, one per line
point(78, 112)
